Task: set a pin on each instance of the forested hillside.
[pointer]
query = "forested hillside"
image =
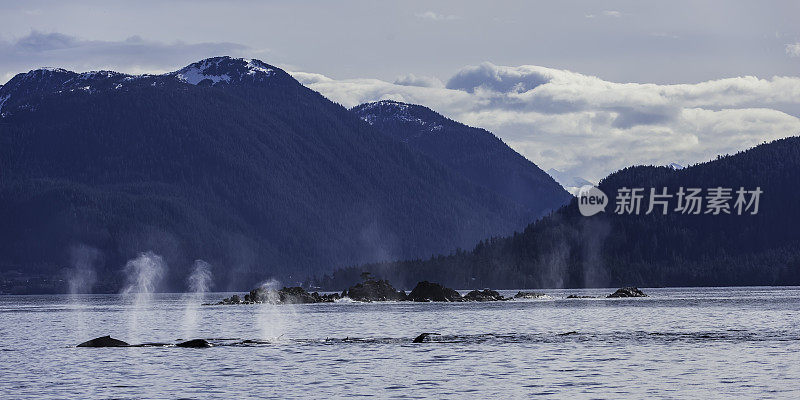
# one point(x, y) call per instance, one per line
point(475, 153)
point(567, 249)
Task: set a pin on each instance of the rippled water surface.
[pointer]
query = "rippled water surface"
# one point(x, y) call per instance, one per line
point(677, 343)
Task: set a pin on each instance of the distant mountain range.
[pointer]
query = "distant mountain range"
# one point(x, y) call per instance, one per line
point(610, 249)
point(675, 166)
point(573, 184)
point(234, 162)
point(570, 183)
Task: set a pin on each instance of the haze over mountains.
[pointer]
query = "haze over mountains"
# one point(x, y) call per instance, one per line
point(234, 162)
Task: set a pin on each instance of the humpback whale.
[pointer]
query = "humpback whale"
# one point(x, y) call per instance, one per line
point(104, 341)
point(194, 343)
point(421, 338)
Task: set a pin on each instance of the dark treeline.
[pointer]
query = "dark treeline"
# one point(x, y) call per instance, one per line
point(567, 249)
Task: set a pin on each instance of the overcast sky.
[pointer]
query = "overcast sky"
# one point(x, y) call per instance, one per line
point(552, 79)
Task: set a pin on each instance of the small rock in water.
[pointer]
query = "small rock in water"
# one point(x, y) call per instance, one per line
point(287, 295)
point(235, 299)
point(484, 295)
point(374, 290)
point(296, 295)
point(579, 296)
point(427, 291)
point(104, 341)
point(628, 292)
point(195, 343)
point(528, 295)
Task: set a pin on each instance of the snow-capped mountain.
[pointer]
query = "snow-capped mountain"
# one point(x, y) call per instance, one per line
point(216, 70)
point(675, 166)
point(574, 183)
point(25, 90)
point(570, 183)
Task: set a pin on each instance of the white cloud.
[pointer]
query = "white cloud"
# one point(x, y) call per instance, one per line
point(418, 80)
point(433, 16)
point(606, 13)
point(585, 126)
point(793, 49)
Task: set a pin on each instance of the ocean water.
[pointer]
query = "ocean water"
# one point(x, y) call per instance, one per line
point(677, 343)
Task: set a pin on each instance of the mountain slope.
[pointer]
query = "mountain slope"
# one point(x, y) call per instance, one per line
point(227, 160)
point(567, 249)
point(475, 153)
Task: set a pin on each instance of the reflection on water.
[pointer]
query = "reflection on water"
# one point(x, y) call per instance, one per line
point(706, 343)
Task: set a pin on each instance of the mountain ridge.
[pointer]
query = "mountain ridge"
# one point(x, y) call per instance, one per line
point(41, 82)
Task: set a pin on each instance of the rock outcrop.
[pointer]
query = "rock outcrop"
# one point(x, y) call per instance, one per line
point(428, 291)
point(528, 295)
point(484, 295)
point(369, 289)
point(286, 295)
point(627, 292)
point(374, 290)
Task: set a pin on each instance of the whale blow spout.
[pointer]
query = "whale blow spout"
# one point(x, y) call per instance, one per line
point(104, 341)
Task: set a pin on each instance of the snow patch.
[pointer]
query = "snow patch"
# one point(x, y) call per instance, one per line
point(97, 74)
point(193, 76)
point(675, 166)
point(235, 69)
point(370, 119)
point(196, 73)
point(390, 109)
point(3, 100)
point(255, 66)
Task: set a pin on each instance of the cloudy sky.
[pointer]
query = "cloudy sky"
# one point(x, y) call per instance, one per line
point(584, 87)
